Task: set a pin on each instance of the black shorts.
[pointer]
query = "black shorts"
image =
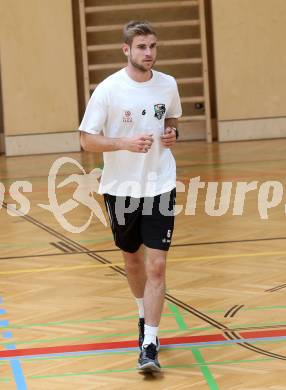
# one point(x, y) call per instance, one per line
point(136, 221)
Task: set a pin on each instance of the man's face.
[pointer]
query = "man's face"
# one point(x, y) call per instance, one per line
point(142, 53)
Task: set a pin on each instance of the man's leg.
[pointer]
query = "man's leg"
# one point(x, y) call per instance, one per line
point(136, 276)
point(127, 236)
point(135, 270)
point(154, 293)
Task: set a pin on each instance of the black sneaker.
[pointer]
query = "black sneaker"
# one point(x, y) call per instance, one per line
point(141, 324)
point(148, 359)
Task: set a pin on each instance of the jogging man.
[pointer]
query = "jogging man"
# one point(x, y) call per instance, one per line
point(132, 118)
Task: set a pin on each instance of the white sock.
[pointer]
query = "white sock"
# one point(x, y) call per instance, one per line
point(140, 303)
point(150, 334)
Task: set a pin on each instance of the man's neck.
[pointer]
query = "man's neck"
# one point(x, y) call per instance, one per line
point(138, 75)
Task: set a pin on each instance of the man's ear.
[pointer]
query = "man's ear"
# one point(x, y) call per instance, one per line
point(126, 49)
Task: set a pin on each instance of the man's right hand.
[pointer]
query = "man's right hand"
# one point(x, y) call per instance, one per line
point(139, 144)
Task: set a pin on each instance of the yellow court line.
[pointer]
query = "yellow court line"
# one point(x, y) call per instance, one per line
point(177, 260)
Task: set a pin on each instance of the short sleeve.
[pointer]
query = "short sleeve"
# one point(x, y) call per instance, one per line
point(95, 114)
point(175, 109)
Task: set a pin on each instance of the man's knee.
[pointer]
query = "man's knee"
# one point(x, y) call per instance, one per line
point(133, 261)
point(156, 268)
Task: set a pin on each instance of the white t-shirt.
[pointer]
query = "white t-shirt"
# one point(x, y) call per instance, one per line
point(122, 107)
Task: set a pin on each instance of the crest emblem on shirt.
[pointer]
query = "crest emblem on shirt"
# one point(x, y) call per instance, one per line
point(160, 110)
point(127, 117)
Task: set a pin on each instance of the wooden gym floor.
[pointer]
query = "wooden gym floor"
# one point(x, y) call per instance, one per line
point(68, 320)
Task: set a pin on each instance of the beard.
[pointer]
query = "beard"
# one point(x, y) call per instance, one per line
point(140, 67)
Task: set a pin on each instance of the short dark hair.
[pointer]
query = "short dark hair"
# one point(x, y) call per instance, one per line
point(136, 27)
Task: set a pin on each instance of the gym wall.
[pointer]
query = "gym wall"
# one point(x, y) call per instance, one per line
point(250, 63)
point(39, 93)
point(38, 74)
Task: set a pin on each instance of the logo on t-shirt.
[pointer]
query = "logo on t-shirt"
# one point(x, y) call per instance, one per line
point(160, 110)
point(127, 117)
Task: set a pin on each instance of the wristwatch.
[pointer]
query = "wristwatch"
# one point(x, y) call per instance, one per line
point(176, 131)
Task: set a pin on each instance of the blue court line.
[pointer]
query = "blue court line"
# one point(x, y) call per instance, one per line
point(4, 324)
point(7, 335)
point(234, 341)
point(18, 374)
point(15, 364)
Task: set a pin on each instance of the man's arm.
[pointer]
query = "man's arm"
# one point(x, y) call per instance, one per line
point(100, 143)
point(171, 122)
point(169, 137)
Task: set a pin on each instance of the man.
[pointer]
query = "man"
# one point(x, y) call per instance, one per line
point(137, 110)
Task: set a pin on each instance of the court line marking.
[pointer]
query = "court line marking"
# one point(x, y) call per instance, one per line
point(178, 316)
point(165, 367)
point(132, 351)
point(206, 372)
point(204, 369)
point(15, 364)
point(170, 298)
point(248, 336)
point(177, 260)
point(8, 245)
point(131, 334)
point(185, 313)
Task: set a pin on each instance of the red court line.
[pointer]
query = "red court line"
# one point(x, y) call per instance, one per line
point(134, 343)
